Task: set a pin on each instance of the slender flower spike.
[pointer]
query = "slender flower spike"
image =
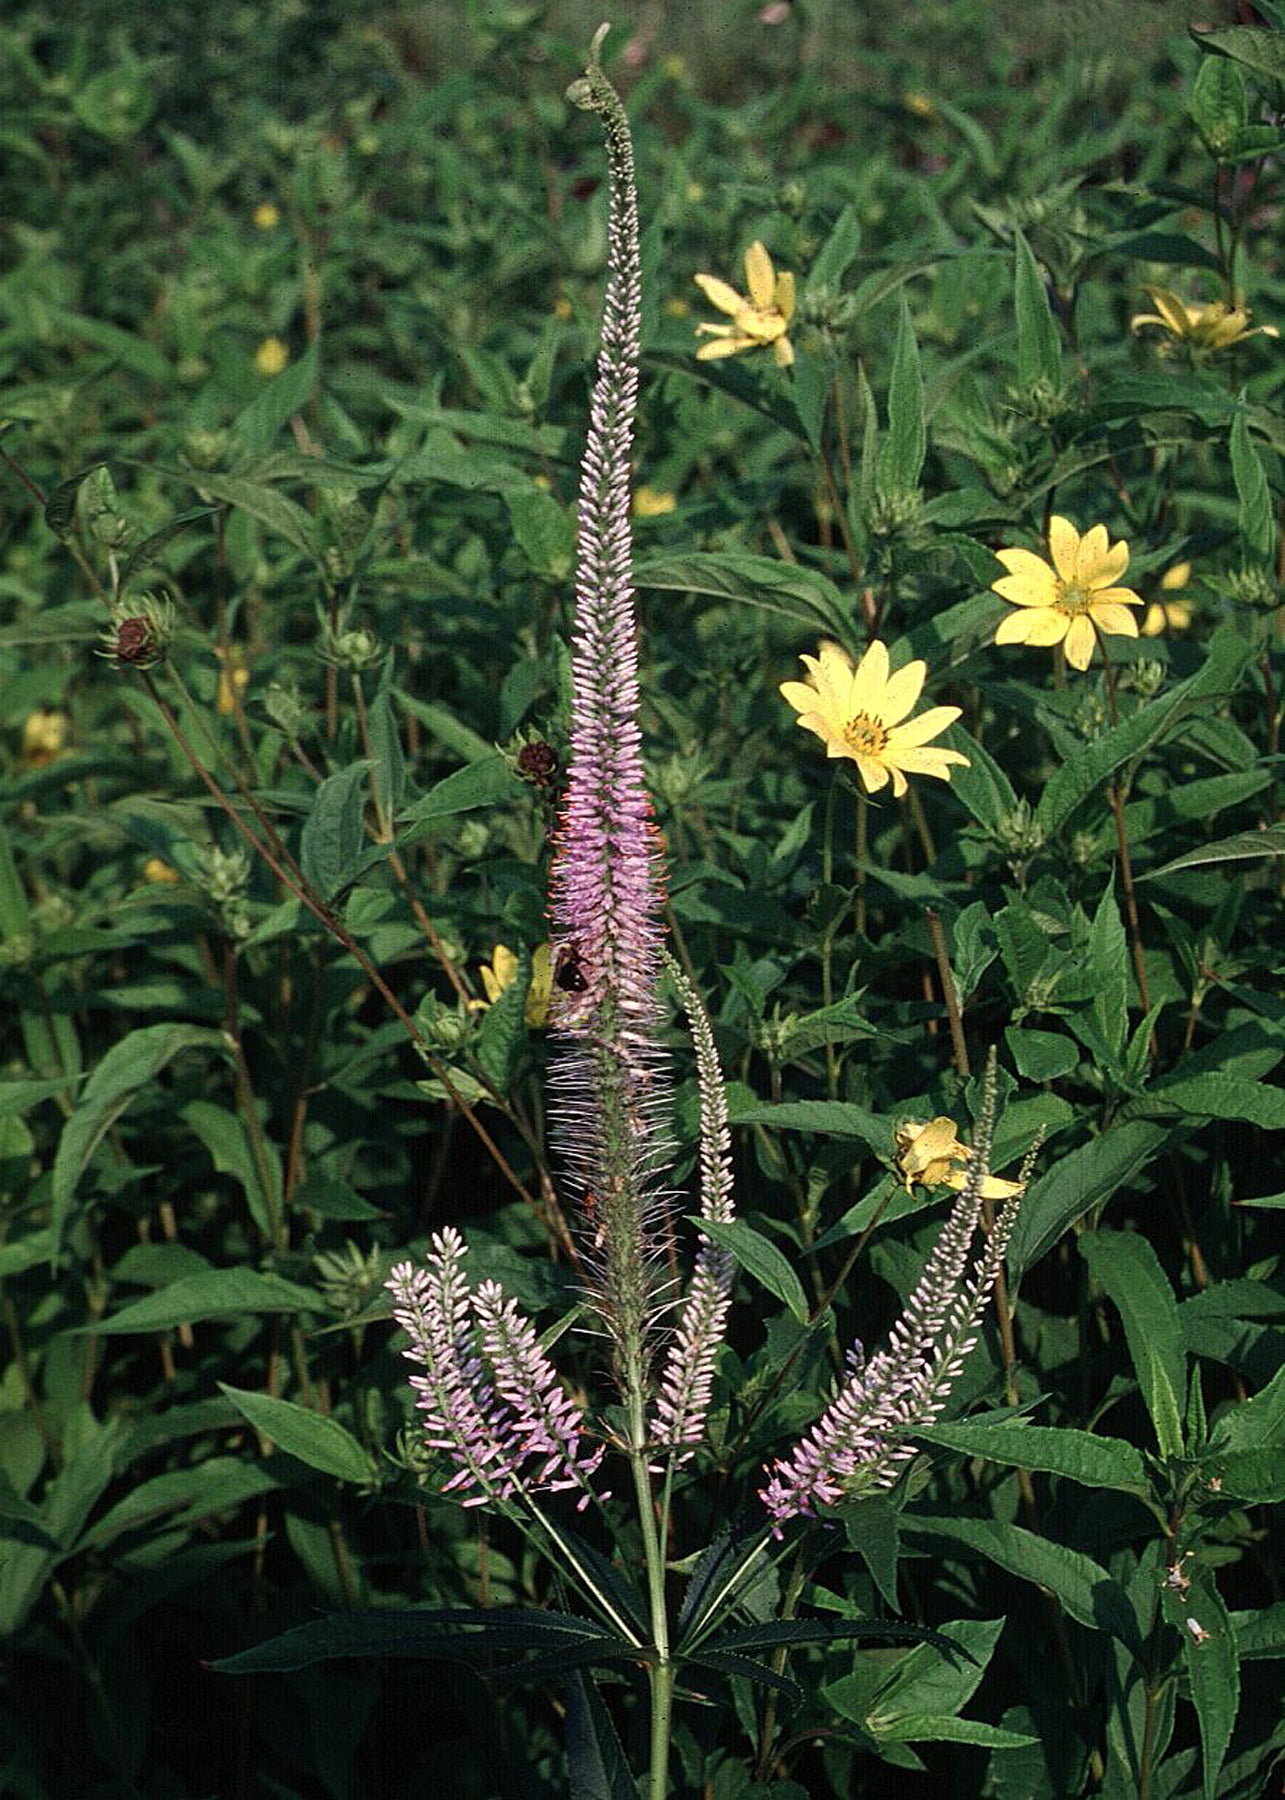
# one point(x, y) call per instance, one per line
point(1069, 602)
point(761, 319)
point(862, 1440)
point(1203, 329)
point(931, 1155)
point(862, 713)
point(606, 894)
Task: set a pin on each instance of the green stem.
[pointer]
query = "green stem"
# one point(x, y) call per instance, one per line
point(660, 1672)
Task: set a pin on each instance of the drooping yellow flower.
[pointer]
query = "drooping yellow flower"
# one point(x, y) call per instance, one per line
point(762, 319)
point(1063, 604)
point(652, 503)
point(1166, 614)
point(859, 713)
point(266, 216)
point(271, 356)
point(45, 734)
point(501, 972)
point(1204, 328)
point(931, 1155)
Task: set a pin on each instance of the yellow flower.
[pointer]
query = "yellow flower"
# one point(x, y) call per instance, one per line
point(1169, 615)
point(859, 713)
point(271, 356)
point(266, 216)
point(156, 870)
point(44, 737)
point(651, 503)
point(234, 678)
point(1064, 604)
point(501, 972)
point(931, 1155)
point(762, 319)
point(918, 104)
point(1205, 328)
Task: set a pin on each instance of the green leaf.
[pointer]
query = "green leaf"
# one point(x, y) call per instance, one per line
point(1245, 846)
point(1212, 1663)
point(150, 548)
point(1085, 1589)
point(1077, 1455)
point(829, 1118)
point(315, 1439)
point(1109, 954)
point(1254, 47)
point(1077, 1183)
point(944, 1728)
point(60, 507)
point(125, 1069)
point(596, 1762)
point(216, 1294)
point(387, 759)
point(288, 393)
point(1129, 1270)
point(1039, 343)
point(761, 1259)
point(334, 834)
point(463, 1634)
point(480, 783)
point(788, 589)
point(872, 1529)
point(275, 510)
point(926, 1681)
point(901, 457)
point(544, 531)
point(1041, 1055)
point(1256, 517)
point(224, 1135)
point(982, 787)
point(1216, 1096)
point(1219, 106)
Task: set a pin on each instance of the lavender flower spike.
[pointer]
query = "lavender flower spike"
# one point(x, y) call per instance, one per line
point(490, 1396)
point(606, 887)
point(861, 1441)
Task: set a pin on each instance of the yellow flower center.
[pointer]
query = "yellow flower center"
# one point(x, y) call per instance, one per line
point(865, 736)
point(1072, 599)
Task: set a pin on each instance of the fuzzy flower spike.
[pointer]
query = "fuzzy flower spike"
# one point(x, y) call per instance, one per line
point(606, 886)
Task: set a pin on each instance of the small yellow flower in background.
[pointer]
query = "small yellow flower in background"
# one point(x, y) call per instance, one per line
point(45, 735)
point(931, 1155)
point(677, 308)
point(651, 503)
point(858, 712)
point(271, 356)
point(919, 104)
point(1206, 328)
point(1063, 604)
point(157, 871)
point(761, 320)
point(234, 678)
point(1169, 615)
point(266, 216)
point(562, 308)
point(501, 972)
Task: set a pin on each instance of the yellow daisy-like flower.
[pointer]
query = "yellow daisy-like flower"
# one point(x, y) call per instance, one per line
point(501, 972)
point(271, 356)
point(45, 736)
point(1166, 614)
point(931, 1155)
point(1205, 328)
point(653, 503)
point(860, 712)
point(1065, 603)
point(266, 216)
point(762, 319)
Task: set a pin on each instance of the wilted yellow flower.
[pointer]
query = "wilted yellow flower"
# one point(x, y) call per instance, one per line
point(266, 216)
point(271, 356)
point(651, 503)
point(1169, 615)
point(1203, 328)
point(762, 319)
point(1063, 604)
point(501, 972)
point(45, 734)
point(859, 712)
point(156, 870)
point(931, 1155)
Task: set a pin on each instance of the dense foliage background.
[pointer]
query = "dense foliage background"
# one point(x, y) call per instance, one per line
point(297, 311)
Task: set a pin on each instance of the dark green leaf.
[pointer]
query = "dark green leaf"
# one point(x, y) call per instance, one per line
point(1130, 1272)
point(759, 1257)
point(257, 425)
point(789, 589)
point(901, 456)
point(1039, 344)
point(1254, 46)
point(1257, 516)
point(1078, 1455)
point(60, 507)
point(218, 1294)
point(334, 832)
point(315, 1439)
point(150, 548)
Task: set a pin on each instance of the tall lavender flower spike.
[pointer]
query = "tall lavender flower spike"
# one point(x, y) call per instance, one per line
point(683, 1400)
point(859, 1444)
point(606, 888)
point(490, 1396)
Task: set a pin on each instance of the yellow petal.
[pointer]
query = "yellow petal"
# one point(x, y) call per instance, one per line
point(1064, 546)
point(1100, 563)
point(927, 725)
point(1041, 626)
point(869, 680)
point(1078, 646)
point(1114, 596)
point(719, 294)
point(1177, 577)
point(783, 353)
point(760, 276)
point(783, 298)
point(1113, 620)
point(728, 346)
point(1174, 316)
point(928, 761)
point(902, 691)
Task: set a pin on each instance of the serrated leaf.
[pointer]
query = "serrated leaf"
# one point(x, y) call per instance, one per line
point(217, 1294)
point(334, 834)
point(901, 455)
point(595, 1760)
point(60, 507)
point(480, 783)
point(1129, 1271)
point(270, 507)
point(1255, 47)
point(1256, 514)
point(759, 1257)
point(312, 1437)
point(1219, 106)
point(1054, 1450)
point(1041, 1055)
point(1209, 1652)
point(1085, 1589)
point(1039, 344)
point(1217, 1096)
point(1109, 954)
point(387, 759)
point(543, 530)
point(789, 589)
point(463, 1634)
point(150, 548)
point(1245, 846)
point(124, 1071)
point(944, 1728)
